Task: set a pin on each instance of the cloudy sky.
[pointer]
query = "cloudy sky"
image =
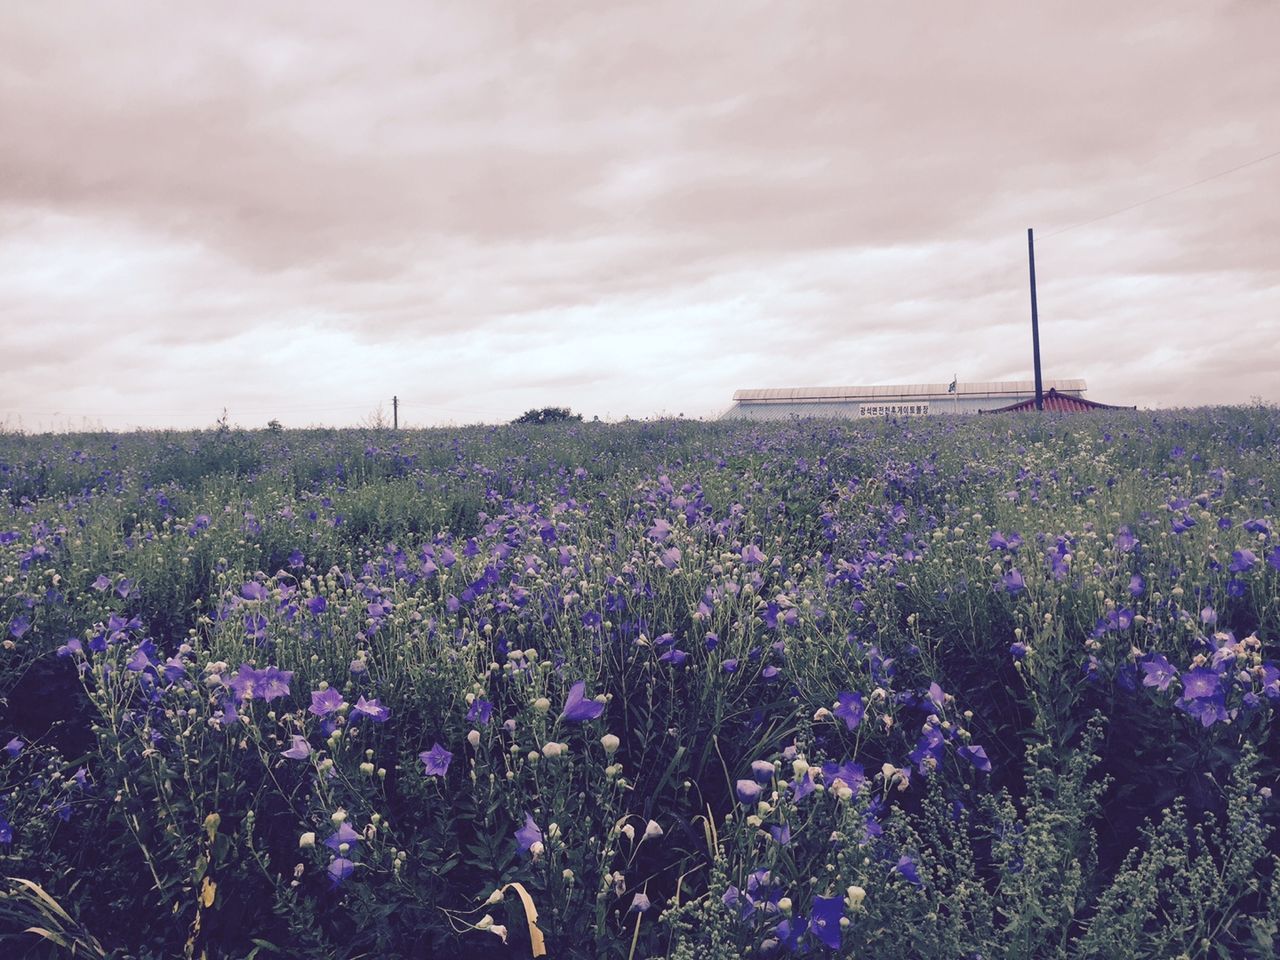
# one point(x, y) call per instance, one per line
point(298, 210)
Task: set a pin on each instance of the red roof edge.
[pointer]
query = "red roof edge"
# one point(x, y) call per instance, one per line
point(1058, 403)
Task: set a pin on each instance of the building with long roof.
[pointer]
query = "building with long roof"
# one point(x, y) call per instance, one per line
point(894, 400)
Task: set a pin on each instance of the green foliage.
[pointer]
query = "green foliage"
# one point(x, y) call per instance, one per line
point(548, 415)
point(719, 590)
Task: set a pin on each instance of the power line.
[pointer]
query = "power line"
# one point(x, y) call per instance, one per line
point(1161, 196)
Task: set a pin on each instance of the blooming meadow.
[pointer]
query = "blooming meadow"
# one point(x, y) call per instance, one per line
point(940, 688)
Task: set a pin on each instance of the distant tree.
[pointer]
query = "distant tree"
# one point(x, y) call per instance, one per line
point(376, 420)
point(548, 415)
point(275, 426)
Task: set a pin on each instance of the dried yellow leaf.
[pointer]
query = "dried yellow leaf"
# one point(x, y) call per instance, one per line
point(536, 940)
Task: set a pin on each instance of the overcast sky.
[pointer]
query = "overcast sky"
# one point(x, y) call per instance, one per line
point(297, 210)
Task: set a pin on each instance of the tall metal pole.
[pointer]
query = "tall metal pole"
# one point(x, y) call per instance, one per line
point(1035, 320)
point(395, 410)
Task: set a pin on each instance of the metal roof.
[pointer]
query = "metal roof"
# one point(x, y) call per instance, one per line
point(905, 391)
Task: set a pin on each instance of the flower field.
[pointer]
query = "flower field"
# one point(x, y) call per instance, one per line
point(937, 688)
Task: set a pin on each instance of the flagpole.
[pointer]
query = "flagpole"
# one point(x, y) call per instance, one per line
point(1035, 320)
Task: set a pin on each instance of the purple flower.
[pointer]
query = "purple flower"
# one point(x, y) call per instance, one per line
point(937, 696)
point(801, 787)
point(1125, 540)
point(103, 582)
point(174, 669)
point(825, 918)
point(528, 835)
point(907, 867)
point(1273, 559)
point(1137, 585)
point(1271, 680)
point(762, 770)
point(753, 555)
point(789, 933)
point(748, 791)
point(999, 541)
point(255, 626)
point(850, 708)
point(659, 531)
point(849, 772)
point(14, 746)
point(1208, 710)
point(928, 751)
point(325, 702)
point(1200, 683)
point(371, 709)
point(577, 708)
point(243, 683)
point(729, 666)
point(671, 557)
point(344, 834)
point(1159, 672)
point(300, 750)
point(273, 683)
point(977, 756)
point(253, 591)
point(436, 761)
point(140, 661)
point(317, 605)
point(1018, 651)
point(480, 712)
point(639, 903)
point(1242, 561)
point(340, 869)
point(1012, 583)
point(674, 657)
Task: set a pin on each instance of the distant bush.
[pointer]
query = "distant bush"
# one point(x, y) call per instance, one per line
point(548, 415)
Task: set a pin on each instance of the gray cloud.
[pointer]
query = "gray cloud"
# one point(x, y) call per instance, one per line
point(613, 200)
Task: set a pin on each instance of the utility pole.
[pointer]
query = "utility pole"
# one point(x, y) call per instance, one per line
point(1035, 320)
point(395, 406)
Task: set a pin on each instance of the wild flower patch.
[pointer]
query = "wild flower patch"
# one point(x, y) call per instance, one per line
point(952, 688)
